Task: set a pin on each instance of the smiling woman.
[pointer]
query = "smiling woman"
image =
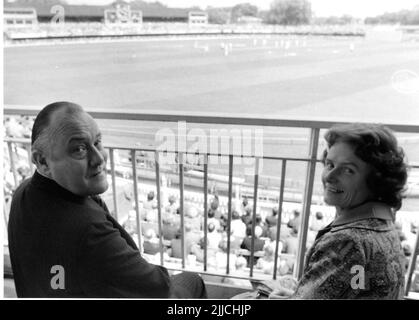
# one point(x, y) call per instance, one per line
point(344, 177)
point(366, 160)
point(358, 255)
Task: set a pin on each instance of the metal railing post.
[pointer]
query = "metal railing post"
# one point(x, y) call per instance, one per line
point(230, 196)
point(137, 205)
point(255, 198)
point(159, 206)
point(115, 200)
point(28, 150)
point(308, 192)
point(6, 210)
point(412, 265)
point(182, 206)
point(278, 224)
point(12, 163)
point(205, 210)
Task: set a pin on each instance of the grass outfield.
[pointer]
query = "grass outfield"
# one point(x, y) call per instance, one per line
point(320, 78)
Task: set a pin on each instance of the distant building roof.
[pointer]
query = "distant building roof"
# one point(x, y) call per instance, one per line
point(149, 10)
point(249, 19)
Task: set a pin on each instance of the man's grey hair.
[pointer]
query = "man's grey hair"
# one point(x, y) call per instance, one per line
point(42, 138)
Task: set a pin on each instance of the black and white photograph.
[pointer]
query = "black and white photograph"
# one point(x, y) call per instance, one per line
point(209, 154)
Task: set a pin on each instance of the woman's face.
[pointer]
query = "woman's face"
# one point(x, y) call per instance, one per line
point(344, 177)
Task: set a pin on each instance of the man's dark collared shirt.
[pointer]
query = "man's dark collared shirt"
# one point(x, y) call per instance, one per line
point(66, 246)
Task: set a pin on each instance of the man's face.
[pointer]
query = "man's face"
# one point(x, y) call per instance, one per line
point(77, 159)
point(344, 177)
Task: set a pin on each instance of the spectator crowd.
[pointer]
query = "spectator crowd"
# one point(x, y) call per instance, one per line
point(242, 233)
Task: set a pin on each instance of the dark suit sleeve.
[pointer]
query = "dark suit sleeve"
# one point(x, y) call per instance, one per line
point(109, 267)
point(100, 202)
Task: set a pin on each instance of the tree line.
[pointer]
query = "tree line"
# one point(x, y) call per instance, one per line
point(403, 17)
point(299, 12)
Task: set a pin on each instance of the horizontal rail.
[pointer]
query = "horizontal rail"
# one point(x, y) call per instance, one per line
point(209, 118)
point(224, 32)
point(222, 275)
point(413, 165)
point(185, 34)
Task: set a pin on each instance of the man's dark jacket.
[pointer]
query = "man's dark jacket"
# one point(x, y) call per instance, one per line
point(54, 232)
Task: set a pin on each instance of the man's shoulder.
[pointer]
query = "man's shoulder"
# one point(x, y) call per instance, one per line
point(17, 194)
point(94, 210)
point(57, 210)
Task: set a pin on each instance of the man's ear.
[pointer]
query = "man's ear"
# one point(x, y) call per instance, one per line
point(39, 159)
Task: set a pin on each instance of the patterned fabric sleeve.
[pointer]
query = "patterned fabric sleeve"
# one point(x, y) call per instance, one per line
point(334, 269)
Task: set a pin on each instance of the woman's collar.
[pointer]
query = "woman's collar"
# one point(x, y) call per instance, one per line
point(369, 210)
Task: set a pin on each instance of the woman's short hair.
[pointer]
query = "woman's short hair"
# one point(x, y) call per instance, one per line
point(258, 231)
point(172, 199)
point(269, 249)
point(376, 145)
point(150, 196)
point(211, 213)
point(211, 227)
point(319, 215)
point(249, 230)
point(150, 234)
point(235, 215)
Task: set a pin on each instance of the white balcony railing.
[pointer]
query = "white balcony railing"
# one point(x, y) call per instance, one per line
point(206, 118)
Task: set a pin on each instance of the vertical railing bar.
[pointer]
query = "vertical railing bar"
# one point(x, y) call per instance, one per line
point(278, 224)
point(137, 206)
point(314, 142)
point(28, 150)
point(255, 196)
point(230, 196)
point(412, 265)
point(157, 165)
point(182, 207)
point(12, 163)
point(205, 210)
point(6, 212)
point(115, 200)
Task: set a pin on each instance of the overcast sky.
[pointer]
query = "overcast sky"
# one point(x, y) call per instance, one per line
point(357, 8)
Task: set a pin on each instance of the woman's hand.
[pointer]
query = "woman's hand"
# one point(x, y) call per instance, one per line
point(281, 293)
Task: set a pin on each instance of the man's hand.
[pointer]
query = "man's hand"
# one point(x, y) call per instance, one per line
point(281, 293)
point(246, 295)
point(282, 288)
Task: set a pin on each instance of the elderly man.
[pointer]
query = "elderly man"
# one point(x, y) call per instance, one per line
point(63, 241)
